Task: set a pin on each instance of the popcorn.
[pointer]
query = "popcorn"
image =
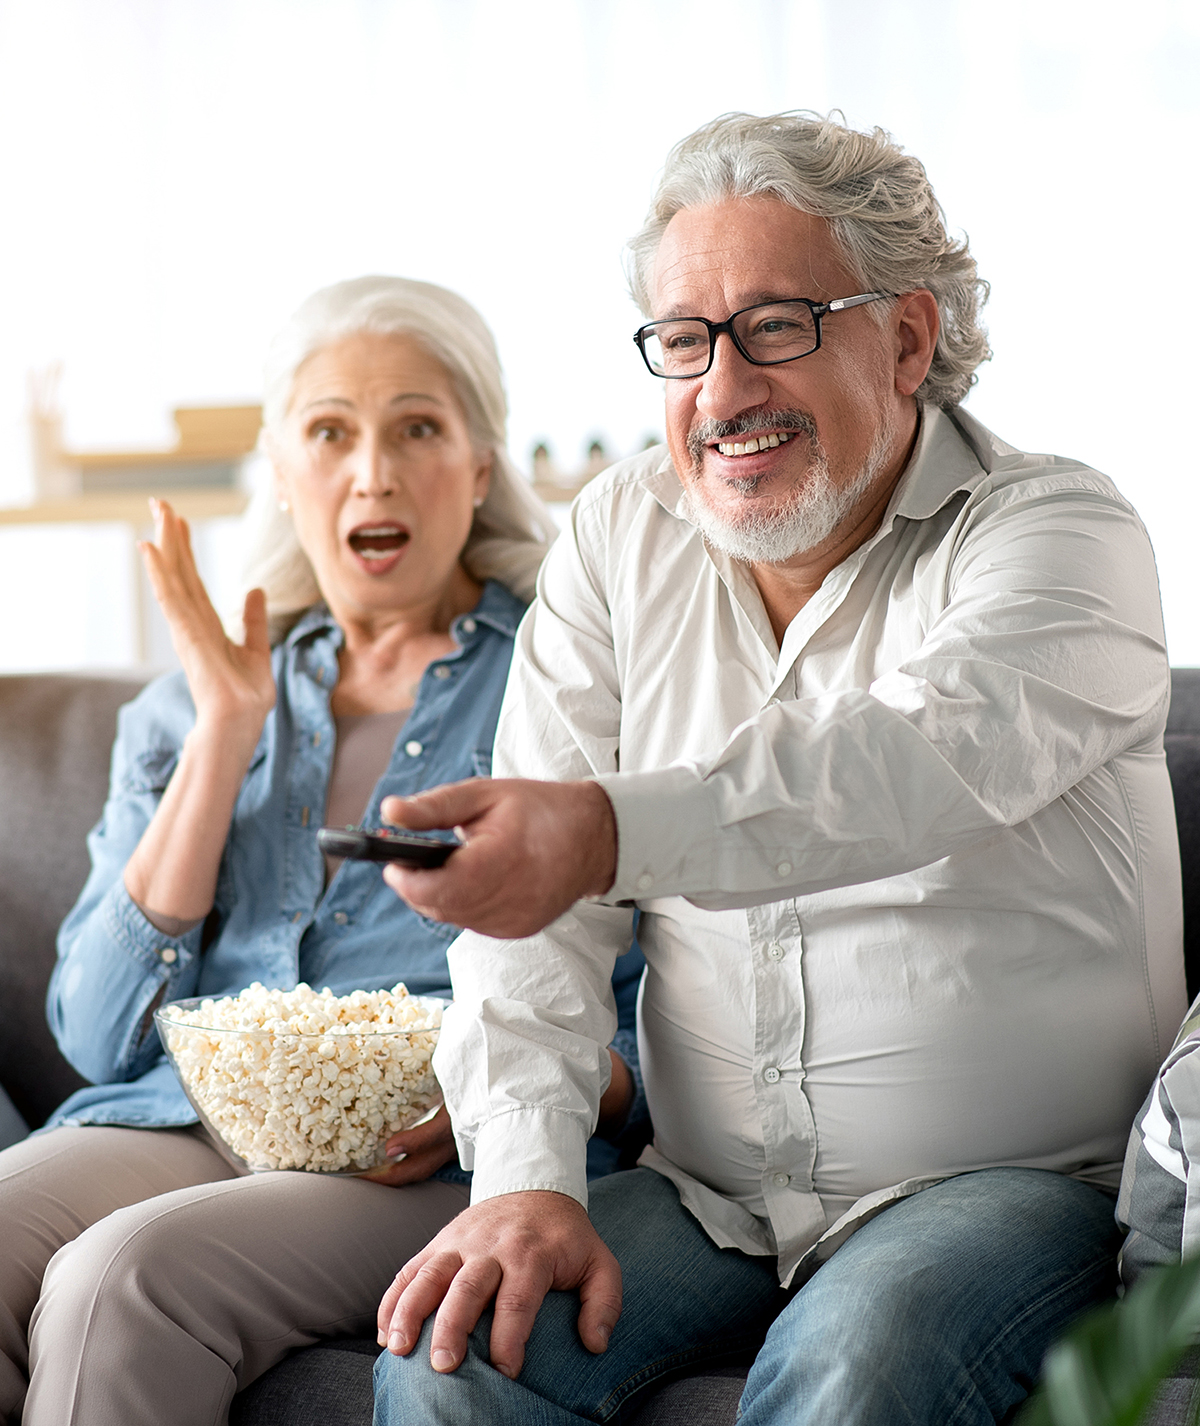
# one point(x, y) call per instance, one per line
point(301, 1079)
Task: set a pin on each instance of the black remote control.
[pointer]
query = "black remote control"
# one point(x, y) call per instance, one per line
point(382, 846)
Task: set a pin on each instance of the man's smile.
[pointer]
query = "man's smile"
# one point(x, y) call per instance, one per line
point(753, 446)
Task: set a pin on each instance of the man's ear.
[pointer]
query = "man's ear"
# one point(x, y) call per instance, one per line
point(915, 323)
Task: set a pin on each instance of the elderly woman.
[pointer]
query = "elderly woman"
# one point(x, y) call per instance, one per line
point(149, 1280)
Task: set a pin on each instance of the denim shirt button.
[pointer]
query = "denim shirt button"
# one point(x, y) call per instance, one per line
point(340, 917)
point(413, 748)
point(441, 671)
point(468, 626)
point(168, 955)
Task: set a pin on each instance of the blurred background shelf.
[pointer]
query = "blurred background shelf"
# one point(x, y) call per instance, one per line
point(128, 506)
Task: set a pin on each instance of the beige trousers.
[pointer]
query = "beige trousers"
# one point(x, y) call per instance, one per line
point(143, 1283)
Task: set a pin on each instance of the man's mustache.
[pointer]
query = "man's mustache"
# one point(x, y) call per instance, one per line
point(751, 423)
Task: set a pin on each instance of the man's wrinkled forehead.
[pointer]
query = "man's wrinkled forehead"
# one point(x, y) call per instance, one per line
point(742, 251)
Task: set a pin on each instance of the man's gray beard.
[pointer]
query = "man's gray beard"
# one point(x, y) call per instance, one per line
point(810, 516)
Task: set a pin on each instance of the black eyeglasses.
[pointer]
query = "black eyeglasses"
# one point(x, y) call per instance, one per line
point(766, 334)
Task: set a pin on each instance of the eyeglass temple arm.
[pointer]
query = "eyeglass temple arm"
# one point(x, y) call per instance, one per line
point(841, 303)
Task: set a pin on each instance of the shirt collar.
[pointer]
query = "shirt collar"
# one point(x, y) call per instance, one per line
point(314, 620)
point(498, 607)
point(944, 463)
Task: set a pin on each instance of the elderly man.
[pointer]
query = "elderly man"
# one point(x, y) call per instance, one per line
point(863, 709)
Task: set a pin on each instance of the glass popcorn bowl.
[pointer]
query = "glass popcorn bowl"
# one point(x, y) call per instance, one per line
point(321, 1101)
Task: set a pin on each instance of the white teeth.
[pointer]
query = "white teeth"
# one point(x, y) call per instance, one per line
point(376, 554)
point(749, 448)
point(378, 530)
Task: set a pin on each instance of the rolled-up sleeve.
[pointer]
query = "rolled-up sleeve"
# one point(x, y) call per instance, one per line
point(113, 965)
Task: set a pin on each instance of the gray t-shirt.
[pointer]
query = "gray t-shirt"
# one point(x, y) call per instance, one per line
point(363, 751)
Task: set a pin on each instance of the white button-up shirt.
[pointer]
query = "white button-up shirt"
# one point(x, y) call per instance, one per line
point(909, 884)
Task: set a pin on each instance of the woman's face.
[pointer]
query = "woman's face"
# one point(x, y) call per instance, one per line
point(376, 464)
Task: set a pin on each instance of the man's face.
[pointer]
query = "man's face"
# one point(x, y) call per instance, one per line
point(836, 414)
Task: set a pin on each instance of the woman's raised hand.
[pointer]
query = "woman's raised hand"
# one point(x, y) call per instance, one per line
point(231, 684)
point(172, 874)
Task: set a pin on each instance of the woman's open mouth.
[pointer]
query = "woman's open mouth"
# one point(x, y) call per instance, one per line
point(378, 547)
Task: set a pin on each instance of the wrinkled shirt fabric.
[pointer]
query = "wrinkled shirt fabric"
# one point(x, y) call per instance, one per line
point(273, 920)
point(909, 884)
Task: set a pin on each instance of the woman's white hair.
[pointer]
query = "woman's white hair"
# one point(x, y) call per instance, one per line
point(876, 198)
point(511, 530)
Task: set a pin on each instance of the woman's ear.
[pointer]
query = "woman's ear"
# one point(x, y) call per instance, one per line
point(277, 482)
point(483, 477)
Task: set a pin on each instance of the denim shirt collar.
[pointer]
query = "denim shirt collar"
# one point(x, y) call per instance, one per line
point(497, 607)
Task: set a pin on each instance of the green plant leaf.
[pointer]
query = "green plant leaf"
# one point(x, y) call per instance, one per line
point(1106, 1371)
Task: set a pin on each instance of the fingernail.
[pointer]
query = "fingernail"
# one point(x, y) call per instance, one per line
point(505, 1370)
point(396, 1343)
point(604, 1331)
point(443, 1361)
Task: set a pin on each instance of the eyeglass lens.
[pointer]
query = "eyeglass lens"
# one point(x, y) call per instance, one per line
point(773, 332)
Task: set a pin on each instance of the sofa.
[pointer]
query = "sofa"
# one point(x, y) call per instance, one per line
point(55, 735)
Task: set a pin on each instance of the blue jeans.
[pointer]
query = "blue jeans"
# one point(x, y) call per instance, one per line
point(938, 1311)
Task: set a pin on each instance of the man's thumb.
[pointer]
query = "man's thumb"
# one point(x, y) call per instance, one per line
point(437, 809)
point(600, 1302)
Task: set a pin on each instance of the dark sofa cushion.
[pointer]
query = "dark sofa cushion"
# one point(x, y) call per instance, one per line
point(56, 734)
point(332, 1385)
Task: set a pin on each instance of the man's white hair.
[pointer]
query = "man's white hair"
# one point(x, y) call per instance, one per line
point(511, 530)
point(876, 198)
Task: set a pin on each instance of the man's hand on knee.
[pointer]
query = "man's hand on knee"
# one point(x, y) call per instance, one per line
point(532, 850)
point(515, 1248)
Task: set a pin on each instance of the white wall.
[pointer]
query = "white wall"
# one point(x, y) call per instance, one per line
point(180, 173)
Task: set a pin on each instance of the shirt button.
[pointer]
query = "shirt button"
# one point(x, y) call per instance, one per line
point(645, 881)
point(781, 1180)
point(168, 955)
point(340, 917)
point(783, 869)
point(772, 1075)
point(468, 626)
point(776, 951)
point(413, 748)
point(441, 671)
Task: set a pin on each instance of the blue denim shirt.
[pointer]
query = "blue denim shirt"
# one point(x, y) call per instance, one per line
point(272, 920)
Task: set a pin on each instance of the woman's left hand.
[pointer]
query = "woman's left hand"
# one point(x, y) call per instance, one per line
point(425, 1148)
